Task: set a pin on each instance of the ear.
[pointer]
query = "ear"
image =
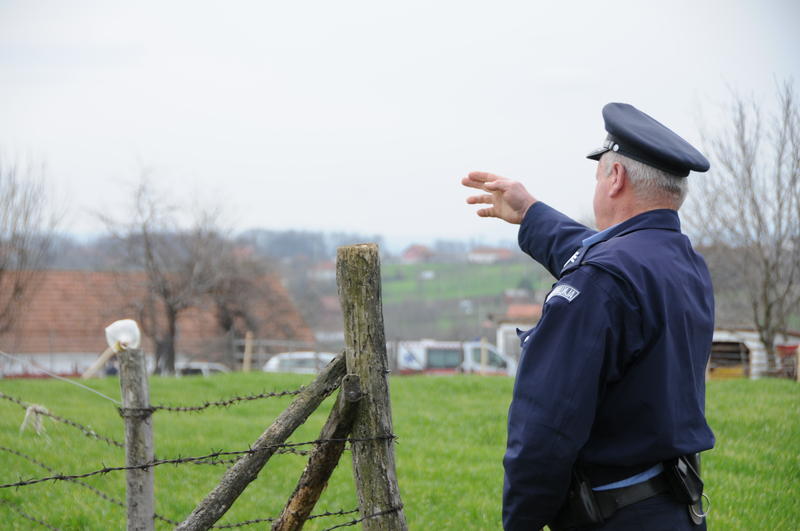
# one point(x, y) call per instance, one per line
point(618, 180)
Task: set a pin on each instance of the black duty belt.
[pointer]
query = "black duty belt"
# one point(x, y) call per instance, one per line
point(612, 500)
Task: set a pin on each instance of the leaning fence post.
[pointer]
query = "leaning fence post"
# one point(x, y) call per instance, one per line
point(138, 438)
point(359, 280)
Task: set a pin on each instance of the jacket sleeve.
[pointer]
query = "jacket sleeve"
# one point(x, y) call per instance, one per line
point(559, 382)
point(550, 237)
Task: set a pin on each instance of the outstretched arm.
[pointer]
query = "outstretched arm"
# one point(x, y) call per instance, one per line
point(509, 200)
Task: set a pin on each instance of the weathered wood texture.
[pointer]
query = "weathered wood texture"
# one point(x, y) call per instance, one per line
point(359, 279)
point(323, 459)
point(246, 469)
point(138, 439)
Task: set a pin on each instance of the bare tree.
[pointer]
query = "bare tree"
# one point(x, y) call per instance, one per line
point(180, 265)
point(238, 288)
point(747, 211)
point(26, 232)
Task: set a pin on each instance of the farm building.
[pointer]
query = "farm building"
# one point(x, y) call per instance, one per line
point(738, 353)
point(60, 326)
point(518, 317)
point(735, 352)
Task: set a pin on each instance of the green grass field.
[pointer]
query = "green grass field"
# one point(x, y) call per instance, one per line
point(451, 440)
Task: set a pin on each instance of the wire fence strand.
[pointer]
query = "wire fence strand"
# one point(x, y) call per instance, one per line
point(96, 491)
point(281, 451)
point(205, 405)
point(183, 460)
point(268, 520)
point(369, 516)
point(25, 515)
point(57, 377)
point(87, 431)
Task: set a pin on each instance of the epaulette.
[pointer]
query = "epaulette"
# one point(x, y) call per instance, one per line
point(578, 258)
point(574, 261)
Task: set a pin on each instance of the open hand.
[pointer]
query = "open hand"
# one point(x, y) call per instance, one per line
point(509, 199)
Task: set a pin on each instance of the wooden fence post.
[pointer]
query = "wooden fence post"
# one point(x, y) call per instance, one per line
point(248, 351)
point(797, 364)
point(138, 439)
point(324, 458)
point(359, 280)
point(247, 468)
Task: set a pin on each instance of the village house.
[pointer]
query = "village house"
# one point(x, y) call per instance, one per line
point(489, 255)
point(60, 326)
point(416, 254)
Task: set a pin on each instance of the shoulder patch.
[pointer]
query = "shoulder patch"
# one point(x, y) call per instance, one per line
point(565, 291)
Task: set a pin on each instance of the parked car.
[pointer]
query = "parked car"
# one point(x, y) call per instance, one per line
point(447, 357)
point(305, 362)
point(197, 368)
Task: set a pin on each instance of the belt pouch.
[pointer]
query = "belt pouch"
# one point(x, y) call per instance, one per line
point(581, 508)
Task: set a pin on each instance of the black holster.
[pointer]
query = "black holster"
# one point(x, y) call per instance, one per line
point(683, 476)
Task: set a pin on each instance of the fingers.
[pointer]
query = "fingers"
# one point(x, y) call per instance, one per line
point(486, 213)
point(483, 176)
point(478, 179)
point(500, 185)
point(477, 199)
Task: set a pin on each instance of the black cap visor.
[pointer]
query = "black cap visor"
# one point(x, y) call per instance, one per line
point(597, 153)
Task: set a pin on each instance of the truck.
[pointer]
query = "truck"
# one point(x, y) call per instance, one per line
point(429, 356)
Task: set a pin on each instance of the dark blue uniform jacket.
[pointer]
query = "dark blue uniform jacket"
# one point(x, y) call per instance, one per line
point(612, 378)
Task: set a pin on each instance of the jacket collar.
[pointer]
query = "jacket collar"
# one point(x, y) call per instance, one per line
point(662, 218)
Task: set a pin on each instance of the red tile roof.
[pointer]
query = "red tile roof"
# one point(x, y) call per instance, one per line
point(69, 310)
point(524, 311)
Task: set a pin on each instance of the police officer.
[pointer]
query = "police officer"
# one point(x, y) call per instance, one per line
point(608, 407)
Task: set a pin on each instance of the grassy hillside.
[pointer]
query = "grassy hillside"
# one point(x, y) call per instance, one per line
point(405, 282)
point(451, 440)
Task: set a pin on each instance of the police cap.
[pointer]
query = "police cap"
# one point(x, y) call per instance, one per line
point(636, 135)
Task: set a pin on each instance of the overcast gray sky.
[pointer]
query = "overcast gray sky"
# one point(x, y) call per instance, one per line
point(362, 116)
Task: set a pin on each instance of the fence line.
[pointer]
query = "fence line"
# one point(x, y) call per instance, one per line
point(352, 420)
point(85, 429)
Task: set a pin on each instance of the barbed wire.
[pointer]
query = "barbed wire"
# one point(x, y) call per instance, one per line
point(205, 405)
point(369, 516)
point(267, 520)
point(282, 451)
point(23, 514)
point(183, 460)
point(87, 431)
point(38, 463)
point(96, 491)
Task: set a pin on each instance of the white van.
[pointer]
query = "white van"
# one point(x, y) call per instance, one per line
point(305, 362)
point(447, 357)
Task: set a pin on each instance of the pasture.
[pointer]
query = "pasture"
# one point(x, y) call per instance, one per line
point(451, 439)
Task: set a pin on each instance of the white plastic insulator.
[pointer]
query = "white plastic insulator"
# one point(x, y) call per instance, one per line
point(123, 334)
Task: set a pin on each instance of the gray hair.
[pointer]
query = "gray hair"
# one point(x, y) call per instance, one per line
point(650, 184)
